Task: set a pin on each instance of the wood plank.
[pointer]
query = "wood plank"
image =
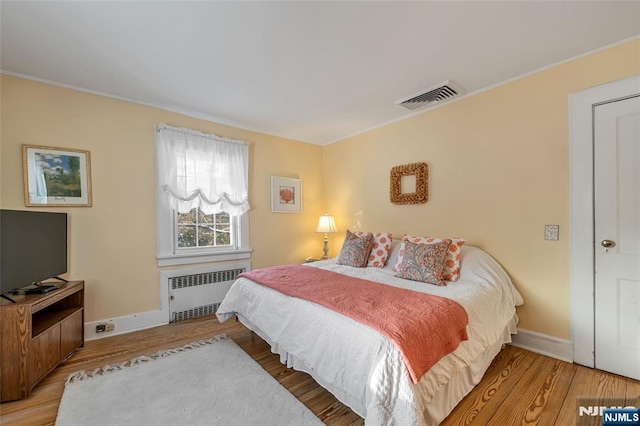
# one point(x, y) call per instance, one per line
point(299, 383)
point(492, 393)
point(514, 410)
point(545, 407)
point(633, 392)
point(338, 414)
point(593, 384)
point(507, 363)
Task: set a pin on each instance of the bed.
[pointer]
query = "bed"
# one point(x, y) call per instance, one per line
point(363, 368)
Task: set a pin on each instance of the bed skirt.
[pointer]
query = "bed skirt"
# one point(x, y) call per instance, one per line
point(443, 402)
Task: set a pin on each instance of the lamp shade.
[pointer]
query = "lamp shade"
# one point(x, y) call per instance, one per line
point(326, 224)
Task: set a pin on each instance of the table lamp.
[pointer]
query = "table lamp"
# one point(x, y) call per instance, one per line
point(326, 224)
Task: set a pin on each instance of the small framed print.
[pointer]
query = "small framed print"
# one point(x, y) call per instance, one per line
point(286, 195)
point(56, 176)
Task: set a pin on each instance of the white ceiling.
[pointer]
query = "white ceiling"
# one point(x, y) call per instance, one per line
point(311, 71)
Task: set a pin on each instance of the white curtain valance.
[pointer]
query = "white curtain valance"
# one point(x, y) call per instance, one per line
point(200, 170)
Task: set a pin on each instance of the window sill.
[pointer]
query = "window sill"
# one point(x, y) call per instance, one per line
point(185, 259)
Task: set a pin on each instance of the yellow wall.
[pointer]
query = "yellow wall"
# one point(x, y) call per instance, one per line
point(113, 243)
point(498, 172)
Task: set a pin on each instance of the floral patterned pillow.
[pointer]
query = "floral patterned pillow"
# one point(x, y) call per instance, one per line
point(424, 262)
point(452, 262)
point(355, 250)
point(380, 249)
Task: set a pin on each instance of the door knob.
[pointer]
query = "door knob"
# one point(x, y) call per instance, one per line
point(608, 243)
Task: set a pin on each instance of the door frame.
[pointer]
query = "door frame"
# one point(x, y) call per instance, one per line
point(581, 210)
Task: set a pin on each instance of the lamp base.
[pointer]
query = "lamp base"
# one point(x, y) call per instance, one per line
point(326, 247)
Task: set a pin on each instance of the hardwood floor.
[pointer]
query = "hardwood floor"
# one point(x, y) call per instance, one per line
point(519, 387)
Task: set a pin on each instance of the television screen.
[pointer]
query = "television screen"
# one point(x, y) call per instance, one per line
point(33, 247)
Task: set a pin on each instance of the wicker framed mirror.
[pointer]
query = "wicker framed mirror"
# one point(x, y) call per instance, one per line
point(418, 171)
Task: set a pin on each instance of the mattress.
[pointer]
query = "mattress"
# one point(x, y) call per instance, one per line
point(361, 367)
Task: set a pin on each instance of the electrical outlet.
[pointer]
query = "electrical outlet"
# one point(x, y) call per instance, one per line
point(109, 326)
point(100, 328)
point(552, 232)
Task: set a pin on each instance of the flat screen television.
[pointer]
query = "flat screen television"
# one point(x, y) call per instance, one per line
point(33, 247)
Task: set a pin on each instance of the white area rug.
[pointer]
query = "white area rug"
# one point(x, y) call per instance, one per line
point(211, 382)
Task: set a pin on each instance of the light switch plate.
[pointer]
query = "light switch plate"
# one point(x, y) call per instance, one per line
point(552, 232)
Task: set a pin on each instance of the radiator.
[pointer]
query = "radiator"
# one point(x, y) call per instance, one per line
point(197, 292)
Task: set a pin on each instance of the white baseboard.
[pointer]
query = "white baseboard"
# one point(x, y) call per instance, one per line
point(544, 344)
point(126, 324)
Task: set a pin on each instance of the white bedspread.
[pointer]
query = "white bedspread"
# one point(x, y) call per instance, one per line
point(357, 364)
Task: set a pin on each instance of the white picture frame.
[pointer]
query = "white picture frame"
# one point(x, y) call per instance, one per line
point(286, 195)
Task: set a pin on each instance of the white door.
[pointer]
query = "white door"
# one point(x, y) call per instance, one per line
point(617, 236)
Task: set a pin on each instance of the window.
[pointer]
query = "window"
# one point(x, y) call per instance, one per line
point(202, 199)
point(196, 229)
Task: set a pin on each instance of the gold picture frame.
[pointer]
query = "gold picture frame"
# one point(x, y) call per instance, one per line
point(56, 177)
point(421, 194)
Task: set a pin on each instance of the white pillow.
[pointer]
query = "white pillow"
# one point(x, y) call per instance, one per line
point(392, 259)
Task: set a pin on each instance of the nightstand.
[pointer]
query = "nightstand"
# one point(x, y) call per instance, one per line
point(311, 259)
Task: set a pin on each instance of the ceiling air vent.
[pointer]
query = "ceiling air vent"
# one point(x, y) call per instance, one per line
point(434, 95)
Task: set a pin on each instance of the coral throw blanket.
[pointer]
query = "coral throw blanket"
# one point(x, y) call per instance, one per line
point(423, 327)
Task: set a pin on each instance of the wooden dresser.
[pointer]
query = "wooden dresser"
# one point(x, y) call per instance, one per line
point(37, 333)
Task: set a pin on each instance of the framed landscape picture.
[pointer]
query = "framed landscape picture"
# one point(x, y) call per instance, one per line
point(286, 195)
point(56, 176)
